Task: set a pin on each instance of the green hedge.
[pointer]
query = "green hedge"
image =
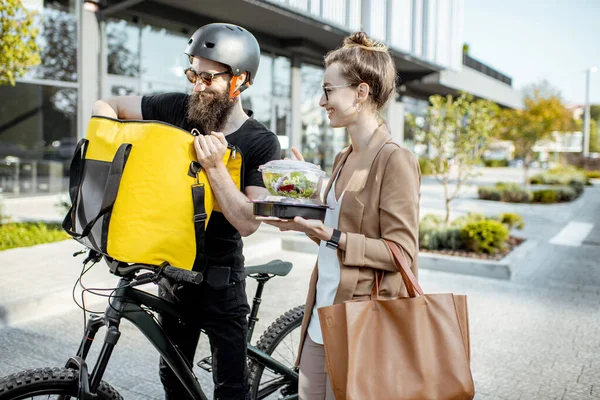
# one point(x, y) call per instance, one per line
point(495, 163)
point(26, 234)
point(473, 232)
point(507, 192)
point(570, 190)
point(592, 174)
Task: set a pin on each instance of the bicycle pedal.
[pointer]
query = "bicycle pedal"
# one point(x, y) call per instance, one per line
point(206, 364)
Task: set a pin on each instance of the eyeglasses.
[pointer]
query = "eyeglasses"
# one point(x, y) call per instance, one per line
point(327, 89)
point(206, 77)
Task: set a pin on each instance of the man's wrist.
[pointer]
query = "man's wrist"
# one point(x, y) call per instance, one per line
point(218, 168)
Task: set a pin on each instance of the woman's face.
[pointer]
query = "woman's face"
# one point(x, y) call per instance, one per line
point(339, 98)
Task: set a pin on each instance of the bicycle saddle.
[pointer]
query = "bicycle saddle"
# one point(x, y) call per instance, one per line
point(275, 267)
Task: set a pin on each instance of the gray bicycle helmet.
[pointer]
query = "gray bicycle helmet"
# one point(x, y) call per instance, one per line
point(227, 44)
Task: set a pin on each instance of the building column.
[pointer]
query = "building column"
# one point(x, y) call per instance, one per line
point(395, 120)
point(89, 71)
point(296, 105)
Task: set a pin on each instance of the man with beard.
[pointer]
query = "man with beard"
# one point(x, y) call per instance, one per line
point(224, 60)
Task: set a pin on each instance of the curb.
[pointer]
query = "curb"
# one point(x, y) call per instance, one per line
point(502, 269)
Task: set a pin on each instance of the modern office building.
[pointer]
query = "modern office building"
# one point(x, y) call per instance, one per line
point(99, 48)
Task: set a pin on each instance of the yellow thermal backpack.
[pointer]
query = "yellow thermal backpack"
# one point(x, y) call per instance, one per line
point(138, 194)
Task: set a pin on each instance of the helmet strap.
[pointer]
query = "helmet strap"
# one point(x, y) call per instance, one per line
point(233, 93)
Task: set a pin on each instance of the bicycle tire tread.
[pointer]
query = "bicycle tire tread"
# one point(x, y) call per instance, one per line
point(40, 376)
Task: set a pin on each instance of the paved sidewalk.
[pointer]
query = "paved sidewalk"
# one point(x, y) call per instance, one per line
point(38, 281)
point(536, 336)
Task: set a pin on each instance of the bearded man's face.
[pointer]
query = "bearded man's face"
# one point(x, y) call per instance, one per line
point(209, 105)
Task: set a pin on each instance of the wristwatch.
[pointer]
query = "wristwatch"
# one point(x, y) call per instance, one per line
point(334, 242)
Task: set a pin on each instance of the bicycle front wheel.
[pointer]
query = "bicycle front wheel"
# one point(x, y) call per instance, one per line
point(280, 341)
point(49, 383)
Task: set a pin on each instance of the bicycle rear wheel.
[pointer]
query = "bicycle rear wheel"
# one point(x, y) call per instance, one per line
point(49, 383)
point(280, 341)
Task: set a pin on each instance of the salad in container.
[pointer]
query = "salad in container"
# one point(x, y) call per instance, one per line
point(292, 178)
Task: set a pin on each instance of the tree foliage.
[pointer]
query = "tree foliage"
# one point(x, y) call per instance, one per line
point(544, 112)
point(456, 133)
point(19, 50)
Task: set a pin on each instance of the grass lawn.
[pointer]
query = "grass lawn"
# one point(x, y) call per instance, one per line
point(25, 234)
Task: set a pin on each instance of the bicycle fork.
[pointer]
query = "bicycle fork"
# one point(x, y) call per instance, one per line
point(88, 384)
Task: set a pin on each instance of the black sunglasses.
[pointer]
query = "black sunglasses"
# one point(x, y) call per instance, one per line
point(206, 77)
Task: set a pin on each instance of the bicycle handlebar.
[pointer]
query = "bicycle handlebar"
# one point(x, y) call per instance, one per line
point(182, 275)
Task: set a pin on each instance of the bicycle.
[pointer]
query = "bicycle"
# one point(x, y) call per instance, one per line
point(268, 375)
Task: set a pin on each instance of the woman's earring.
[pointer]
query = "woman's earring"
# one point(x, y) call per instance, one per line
point(359, 107)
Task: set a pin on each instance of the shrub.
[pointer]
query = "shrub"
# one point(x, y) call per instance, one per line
point(592, 174)
point(546, 196)
point(578, 186)
point(484, 236)
point(562, 176)
point(29, 234)
point(427, 225)
point(445, 238)
point(567, 193)
point(513, 193)
point(512, 220)
point(470, 217)
point(489, 193)
point(495, 163)
point(435, 235)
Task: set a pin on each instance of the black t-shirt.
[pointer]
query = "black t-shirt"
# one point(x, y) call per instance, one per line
point(257, 144)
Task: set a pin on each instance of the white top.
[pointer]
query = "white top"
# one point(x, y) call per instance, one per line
point(329, 267)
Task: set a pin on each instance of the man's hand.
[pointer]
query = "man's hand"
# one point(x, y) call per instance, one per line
point(210, 149)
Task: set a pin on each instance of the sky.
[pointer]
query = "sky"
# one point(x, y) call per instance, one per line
point(531, 40)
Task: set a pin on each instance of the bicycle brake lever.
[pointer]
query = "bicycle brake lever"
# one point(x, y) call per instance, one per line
point(93, 256)
point(78, 253)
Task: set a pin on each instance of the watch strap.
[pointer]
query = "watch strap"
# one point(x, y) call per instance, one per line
point(334, 242)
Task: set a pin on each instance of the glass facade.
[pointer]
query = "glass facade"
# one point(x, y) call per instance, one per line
point(320, 143)
point(427, 29)
point(38, 116)
point(38, 136)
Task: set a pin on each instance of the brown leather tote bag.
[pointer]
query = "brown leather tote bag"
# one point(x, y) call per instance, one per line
point(414, 348)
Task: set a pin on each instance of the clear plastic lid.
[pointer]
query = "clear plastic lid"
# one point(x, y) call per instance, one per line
point(284, 166)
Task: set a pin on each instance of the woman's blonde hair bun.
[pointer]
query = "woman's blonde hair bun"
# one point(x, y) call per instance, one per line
point(361, 39)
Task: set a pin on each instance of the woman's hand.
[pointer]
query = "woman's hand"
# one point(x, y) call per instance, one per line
point(297, 154)
point(312, 227)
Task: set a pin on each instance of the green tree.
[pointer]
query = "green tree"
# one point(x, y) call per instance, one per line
point(17, 40)
point(544, 113)
point(594, 112)
point(594, 144)
point(456, 132)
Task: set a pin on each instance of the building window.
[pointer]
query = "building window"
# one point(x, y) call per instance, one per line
point(402, 24)
point(320, 143)
point(123, 48)
point(38, 134)
point(57, 40)
point(259, 97)
point(162, 57)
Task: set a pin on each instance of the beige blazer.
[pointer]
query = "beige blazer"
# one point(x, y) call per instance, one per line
point(381, 202)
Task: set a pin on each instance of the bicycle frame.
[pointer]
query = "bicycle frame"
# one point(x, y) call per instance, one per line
point(127, 303)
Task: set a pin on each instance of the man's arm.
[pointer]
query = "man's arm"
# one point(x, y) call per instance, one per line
point(122, 107)
point(234, 204)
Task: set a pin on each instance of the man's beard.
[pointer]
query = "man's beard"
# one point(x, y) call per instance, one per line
point(209, 110)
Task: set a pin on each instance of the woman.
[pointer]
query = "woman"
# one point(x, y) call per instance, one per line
point(373, 194)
